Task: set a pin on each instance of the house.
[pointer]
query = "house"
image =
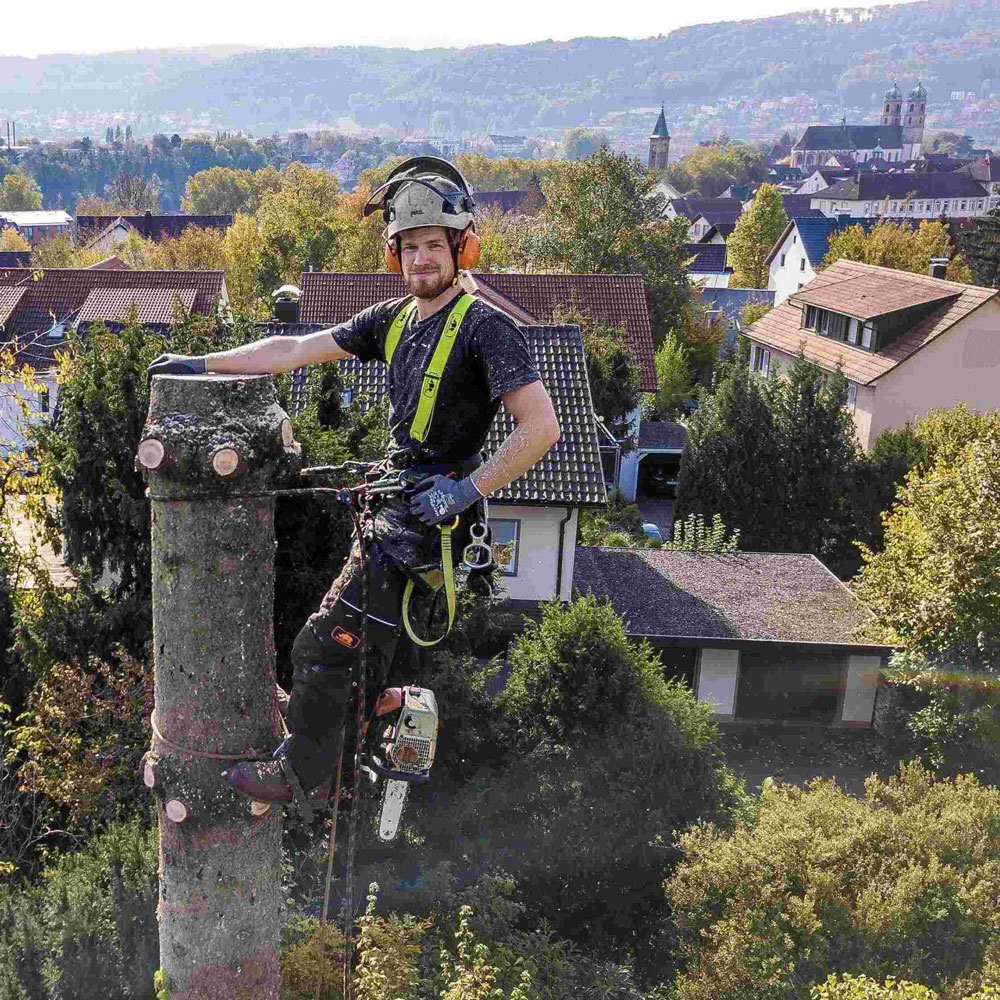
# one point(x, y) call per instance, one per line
point(706, 264)
point(691, 208)
point(504, 145)
point(798, 254)
point(102, 232)
point(655, 462)
point(15, 258)
point(907, 343)
point(36, 315)
point(537, 514)
point(758, 635)
point(712, 227)
point(37, 227)
point(798, 204)
point(903, 195)
point(986, 172)
point(822, 178)
point(725, 305)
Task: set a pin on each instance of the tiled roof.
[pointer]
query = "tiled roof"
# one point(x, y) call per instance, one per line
point(62, 291)
point(155, 227)
point(986, 169)
point(783, 597)
point(876, 186)
point(709, 258)
point(851, 137)
point(867, 296)
point(659, 434)
point(723, 229)
point(799, 204)
point(531, 299)
point(15, 258)
point(781, 328)
point(9, 298)
point(112, 305)
point(571, 472)
point(815, 230)
point(110, 264)
point(691, 208)
point(731, 300)
point(721, 216)
point(507, 201)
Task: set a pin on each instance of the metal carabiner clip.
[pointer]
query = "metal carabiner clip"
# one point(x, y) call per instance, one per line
point(477, 554)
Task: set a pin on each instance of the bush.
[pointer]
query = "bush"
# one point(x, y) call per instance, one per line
point(90, 929)
point(899, 884)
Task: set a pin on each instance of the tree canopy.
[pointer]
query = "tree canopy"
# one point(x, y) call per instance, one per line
point(756, 232)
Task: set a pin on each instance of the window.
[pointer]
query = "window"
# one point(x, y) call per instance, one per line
point(782, 264)
point(802, 264)
point(852, 330)
point(765, 363)
point(43, 399)
point(852, 396)
point(795, 238)
point(866, 336)
point(963, 206)
point(506, 536)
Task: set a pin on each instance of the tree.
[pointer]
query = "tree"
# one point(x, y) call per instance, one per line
point(196, 249)
point(709, 169)
point(606, 220)
point(932, 590)
point(756, 232)
point(673, 377)
point(980, 246)
point(242, 247)
point(897, 245)
point(220, 191)
point(11, 239)
point(20, 193)
point(579, 143)
point(91, 204)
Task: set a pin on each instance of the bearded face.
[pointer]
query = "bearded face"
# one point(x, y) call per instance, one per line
point(427, 261)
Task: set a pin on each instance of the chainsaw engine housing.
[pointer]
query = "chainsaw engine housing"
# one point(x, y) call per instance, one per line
point(414, 739)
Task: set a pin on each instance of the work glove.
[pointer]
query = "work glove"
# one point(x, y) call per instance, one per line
point(176, 364)
point(439, 498)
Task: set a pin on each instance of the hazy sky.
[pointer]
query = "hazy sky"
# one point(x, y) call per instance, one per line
point(71, 26)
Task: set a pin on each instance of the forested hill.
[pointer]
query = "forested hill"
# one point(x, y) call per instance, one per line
point(842, 55)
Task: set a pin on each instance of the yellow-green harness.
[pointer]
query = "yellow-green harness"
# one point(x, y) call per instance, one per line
point(418, 431)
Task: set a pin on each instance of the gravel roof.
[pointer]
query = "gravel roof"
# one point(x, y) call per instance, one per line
point(786, 597)
point(662, 434)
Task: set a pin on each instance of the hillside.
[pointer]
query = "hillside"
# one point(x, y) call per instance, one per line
point(841, 57)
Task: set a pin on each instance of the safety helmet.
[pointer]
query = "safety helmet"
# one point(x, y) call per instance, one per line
point(426, 191)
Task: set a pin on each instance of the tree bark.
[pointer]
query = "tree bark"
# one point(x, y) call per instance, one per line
point(212, 447)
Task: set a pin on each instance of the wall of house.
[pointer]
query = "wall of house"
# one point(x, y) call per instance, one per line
point(537, 552)
point(12, 420)
point(814, 182)
point(786, 279)
point(914, 208)
point(961, 365)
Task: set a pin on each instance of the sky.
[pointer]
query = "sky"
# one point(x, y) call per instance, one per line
point(71, 26)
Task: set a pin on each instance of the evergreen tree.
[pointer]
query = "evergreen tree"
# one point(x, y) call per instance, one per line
point(980, 246)
point(756, 232)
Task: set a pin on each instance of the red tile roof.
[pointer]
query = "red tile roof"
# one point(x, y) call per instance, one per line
point(531, 299)
point(781, 328)
point(114, 304)
point(867, 296)
point(110, 264)
point(61, 292)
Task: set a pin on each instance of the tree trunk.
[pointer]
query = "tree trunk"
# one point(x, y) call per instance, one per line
point(212, 447)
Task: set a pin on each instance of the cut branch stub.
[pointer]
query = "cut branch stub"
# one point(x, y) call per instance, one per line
point(225, 461)
point(151, 453)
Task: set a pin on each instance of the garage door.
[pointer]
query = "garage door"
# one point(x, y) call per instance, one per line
point(790, 685)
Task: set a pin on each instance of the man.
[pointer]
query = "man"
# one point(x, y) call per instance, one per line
point(427, 206)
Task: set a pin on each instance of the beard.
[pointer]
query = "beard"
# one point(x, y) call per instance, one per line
point(428, 284)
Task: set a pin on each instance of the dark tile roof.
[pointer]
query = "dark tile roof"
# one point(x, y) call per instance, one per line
point(15, 258)
point(510, 201)
point(831, 174)
point(851, 137)
point(571, 472)
point(781, 328)
point(113, 305)
point(799, 204)
point(691, 208)
point(531, 299)
point(721, 216)
point(986, 169)
point(154, 227)
point(723, 229)
point(785, 597)
point(661, 435)
point(62, 291)
point(709, 258)
point(876, 186)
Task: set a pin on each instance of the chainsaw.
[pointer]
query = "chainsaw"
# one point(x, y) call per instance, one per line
point(402, 749)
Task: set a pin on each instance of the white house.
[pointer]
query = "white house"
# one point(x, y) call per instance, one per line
point(37, 227)
point(903, 195)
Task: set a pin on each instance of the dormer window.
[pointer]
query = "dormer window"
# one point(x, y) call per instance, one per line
point(837, 326)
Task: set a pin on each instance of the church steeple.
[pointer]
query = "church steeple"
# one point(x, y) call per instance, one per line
point(659, 143)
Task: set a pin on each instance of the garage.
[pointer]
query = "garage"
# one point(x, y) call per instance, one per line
point(790, 684)
point(658, 475)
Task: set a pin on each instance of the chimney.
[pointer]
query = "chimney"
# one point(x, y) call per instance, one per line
point(286, 304)
point(939, 267)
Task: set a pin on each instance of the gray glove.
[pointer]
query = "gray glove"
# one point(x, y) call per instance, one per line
point(176, 364)
point(440, 498)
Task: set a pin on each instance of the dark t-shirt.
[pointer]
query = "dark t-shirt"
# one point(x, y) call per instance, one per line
point(490, 357)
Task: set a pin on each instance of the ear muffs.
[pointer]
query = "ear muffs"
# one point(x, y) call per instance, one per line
point(392, 261)
point(469, 250)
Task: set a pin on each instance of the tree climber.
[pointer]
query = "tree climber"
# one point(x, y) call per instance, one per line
point(429, 237)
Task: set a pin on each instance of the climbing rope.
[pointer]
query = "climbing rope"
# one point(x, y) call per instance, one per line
point(243, 755)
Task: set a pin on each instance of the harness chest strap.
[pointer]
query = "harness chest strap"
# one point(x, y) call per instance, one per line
point(435, 368)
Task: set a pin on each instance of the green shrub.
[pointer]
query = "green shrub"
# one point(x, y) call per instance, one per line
point(899, 884)
point(862, 988)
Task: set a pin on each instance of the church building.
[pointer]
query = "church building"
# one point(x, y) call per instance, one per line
point(895, 139)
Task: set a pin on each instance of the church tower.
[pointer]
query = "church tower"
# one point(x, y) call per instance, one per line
point(893, 110)
point(913, 122)
point(659, 144)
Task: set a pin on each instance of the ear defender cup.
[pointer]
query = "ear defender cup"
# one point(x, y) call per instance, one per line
point(392, 261)
point(469, 250)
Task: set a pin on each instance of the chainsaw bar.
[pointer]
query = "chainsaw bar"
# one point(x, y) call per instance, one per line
point(393, 801)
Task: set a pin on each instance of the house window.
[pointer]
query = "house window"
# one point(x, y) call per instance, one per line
point(782, 264)
point(852, 330)
point(852, 396)
point(43, 400)
point(506, 539)
point(866, 336)
point(765, 363)
point(29, 232)
point(802, 264)
point(794, 238)
point(963, 206)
